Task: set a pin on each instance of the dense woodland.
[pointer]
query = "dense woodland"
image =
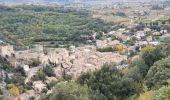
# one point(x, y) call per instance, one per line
point(24, 25)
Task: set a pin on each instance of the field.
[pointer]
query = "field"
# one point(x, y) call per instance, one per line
point(133, 12)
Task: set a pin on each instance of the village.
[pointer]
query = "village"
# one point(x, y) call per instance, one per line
point(121, 44)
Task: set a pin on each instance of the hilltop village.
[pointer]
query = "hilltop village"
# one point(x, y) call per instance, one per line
point(118, 47)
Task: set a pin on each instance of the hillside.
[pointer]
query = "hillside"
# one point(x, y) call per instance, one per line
point(24, 25)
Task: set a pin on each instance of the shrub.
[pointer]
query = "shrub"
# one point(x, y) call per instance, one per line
point(106, 49)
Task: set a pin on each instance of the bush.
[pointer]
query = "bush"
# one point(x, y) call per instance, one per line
point(66, 77)
point(31, 98)
point(50, 85)
point(1, 92)
point(34, 62)
point(39, 76)
point(106, 49)
point(48, 71)
point(163, 93)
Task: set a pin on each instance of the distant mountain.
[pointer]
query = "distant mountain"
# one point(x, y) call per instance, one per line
point(64, 1)
point(167, 2)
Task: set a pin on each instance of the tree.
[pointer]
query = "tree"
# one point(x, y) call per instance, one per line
point(48, 71)
point(131, 41)
point(113, 38)
point(138, 70)
point(158, 74)
point(21, 71)
point(150, 56)
point(39, 76)
point(109, 81)
point(164, 47)
point(163, 93)
point(70, 91)
point(34, 62)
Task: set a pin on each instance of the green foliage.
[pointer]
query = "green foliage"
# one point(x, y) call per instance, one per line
point(1, 92)
point(122, 14)
point(66, 77)
point(106, 49)
point(157, 7)
point(109, 81)
point(113, 38)
point(28, 85)
point(158, 74)
point(50, 85)
point(42, 73)
point(70, 91)
point(138, 70)
point(31, 98)
point(99, 35)
point(31, 24)
point(164, 47)
point(152, 56)
point(163, 93)
point(39, 76)
point(5, 65)
point(34, 62)
point(131, 42)
point(48, 71)
point(20, 70)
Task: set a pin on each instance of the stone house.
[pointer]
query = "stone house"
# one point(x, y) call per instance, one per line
point(140, 34)
point(38, 86)
point(101, 43)
point(149, 38)
point(111, 33)
point(122, 36)
point(156, 33)
point(147, 30)
point(141, 43)
point(106, 43)
point(154, 43)
point(6, 49)
point(164, 32)
point(28, 94)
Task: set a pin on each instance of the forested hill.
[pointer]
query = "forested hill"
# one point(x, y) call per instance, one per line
point(25, 25)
